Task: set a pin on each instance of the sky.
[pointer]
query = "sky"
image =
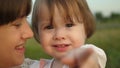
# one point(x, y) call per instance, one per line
point(104, 6)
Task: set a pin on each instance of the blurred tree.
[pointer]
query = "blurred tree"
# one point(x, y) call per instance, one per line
point(99, 16)
point(114, 15)
point(113, 18)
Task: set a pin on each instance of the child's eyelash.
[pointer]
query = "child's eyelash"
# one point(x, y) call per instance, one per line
point(69, 25)
point(49, 27)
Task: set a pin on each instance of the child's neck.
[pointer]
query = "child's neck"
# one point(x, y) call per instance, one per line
point(57, 64)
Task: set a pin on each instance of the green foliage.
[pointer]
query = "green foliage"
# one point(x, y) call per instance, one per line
point(99, 16)
point(34, 50)
point(106, 37)
point(113, 18)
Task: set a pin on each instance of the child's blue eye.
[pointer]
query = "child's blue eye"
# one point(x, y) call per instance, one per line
point(49, 27)
point(69, 25)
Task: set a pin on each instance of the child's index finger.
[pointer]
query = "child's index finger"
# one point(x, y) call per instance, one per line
point(81, 58)
point(77, 56)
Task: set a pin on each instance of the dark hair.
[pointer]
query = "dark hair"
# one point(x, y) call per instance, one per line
point(72, 8)
point(10, 10)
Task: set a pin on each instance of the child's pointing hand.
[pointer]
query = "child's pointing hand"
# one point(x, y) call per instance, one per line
point(85, 57)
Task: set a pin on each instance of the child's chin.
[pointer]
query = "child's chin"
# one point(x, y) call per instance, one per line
point(60, 56)
point(67, 61)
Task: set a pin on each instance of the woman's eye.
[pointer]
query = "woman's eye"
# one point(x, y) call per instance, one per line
point(49, 27)
point(69, 25)
point(17, 25)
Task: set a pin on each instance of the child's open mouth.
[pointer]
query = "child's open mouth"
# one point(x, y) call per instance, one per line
point(61, 47)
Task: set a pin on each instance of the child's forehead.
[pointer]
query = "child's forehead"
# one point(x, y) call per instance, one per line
point(43, 11)
point(47, 11)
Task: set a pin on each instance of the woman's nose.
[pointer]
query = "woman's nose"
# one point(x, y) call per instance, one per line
point(27, 32)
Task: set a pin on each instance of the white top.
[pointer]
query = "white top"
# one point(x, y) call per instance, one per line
point(98, 52)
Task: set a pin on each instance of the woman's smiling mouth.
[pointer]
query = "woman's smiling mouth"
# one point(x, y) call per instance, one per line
point(20, 49)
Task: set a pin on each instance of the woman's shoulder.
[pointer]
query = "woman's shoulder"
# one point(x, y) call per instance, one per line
point(29, 63)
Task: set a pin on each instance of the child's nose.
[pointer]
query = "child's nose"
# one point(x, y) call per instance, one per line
point(59, 34)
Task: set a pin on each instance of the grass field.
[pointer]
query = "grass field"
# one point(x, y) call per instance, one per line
point(106, 37)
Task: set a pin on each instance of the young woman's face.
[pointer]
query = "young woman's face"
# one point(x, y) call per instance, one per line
point(61, 36)
point(12, 42)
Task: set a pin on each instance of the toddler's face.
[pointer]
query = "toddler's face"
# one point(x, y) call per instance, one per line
point(58, 36)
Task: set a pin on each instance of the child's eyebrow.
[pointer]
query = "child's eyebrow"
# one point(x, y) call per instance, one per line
point(44, 22)
point(41, 25)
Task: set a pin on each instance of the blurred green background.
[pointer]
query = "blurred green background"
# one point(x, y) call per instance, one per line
point(107, 37)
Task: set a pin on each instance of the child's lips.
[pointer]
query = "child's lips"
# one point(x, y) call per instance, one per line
point(61, 47)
